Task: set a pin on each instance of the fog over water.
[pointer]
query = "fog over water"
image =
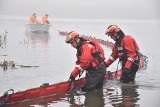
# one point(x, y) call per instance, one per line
point(83, 9)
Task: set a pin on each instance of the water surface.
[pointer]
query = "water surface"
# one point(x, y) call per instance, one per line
point(51, 60)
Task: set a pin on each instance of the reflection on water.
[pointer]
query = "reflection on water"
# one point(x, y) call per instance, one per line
point(37, 37)
point(94, 99)
point(122, 95)
point(88, 99)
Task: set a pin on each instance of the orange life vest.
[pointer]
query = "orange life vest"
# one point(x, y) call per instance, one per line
point(32, 20)
point(44, 19)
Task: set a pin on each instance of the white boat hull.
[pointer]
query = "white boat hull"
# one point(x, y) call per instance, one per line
point(38, 27)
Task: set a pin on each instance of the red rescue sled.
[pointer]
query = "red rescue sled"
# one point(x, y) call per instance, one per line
point(46, 90)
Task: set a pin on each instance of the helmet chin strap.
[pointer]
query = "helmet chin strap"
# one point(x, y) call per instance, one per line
point(117, 36)
point(119, 39)
point(78, 42)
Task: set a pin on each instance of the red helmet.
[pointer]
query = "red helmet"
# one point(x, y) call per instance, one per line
point(112, 29)
point(71, 36)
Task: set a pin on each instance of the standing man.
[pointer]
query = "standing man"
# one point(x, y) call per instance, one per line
point(90, 58)
point(33, 19)
point(127, 50)
point(45, 19)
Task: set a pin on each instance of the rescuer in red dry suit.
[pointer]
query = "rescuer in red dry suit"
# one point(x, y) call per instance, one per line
point(127, 50)
point(45, 19)
point(90, 58)
point(33, 19)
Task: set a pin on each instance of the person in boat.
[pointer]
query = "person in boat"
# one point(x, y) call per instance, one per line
point(33, 19)
point(127, 50)
point(90, 58)
point(45, 19)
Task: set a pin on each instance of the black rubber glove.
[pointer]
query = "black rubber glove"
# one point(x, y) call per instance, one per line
point(71, 78)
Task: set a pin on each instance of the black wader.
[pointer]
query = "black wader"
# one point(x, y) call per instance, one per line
point(95, 78)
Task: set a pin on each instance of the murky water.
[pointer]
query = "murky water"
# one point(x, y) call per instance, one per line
point(45, 57)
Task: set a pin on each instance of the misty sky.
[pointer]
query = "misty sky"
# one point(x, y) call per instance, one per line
point(86, 9)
